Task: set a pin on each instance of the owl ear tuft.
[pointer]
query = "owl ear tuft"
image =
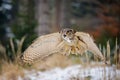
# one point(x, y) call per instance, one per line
point(61, 31)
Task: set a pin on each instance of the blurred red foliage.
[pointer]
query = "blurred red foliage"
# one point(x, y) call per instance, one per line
point(110, 15)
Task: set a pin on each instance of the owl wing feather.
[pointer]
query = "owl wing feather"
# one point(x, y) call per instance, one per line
point(91, 46)
point(43, 46)
point(46, 45)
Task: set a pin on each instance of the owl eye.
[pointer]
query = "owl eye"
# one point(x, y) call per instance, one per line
point(67, 32)
point(70, 30)
point(64, 35)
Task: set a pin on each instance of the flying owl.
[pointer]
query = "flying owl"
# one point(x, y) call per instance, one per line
point(65, 42)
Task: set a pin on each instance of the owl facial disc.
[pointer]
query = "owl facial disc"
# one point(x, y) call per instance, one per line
point(67, 34)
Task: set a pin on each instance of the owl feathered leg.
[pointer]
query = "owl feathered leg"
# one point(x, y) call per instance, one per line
point(66, 50)
point(80, 47)
point(63, 48)
point(74, 50)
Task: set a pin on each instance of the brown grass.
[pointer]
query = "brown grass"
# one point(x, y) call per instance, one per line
point(11, 71)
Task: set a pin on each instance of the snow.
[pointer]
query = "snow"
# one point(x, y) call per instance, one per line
point(76, 72)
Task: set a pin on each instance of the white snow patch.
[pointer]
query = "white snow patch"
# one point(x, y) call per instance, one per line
point(76, 72)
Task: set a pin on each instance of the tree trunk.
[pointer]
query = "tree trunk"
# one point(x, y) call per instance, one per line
point(52, 19)
point(43, 16)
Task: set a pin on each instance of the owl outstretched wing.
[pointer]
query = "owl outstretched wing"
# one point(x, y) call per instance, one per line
point(43, 46)
point(54, 43)
point(91, 46)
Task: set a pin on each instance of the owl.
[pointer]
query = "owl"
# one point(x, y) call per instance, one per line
point(65, 42)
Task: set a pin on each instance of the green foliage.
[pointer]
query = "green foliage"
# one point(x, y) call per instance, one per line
point(25, 23)
point(25, 28)
point(22, 25)
point(12, 51)
point(82, 8)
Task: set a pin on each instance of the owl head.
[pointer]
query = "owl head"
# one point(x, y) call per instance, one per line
point(67, 34)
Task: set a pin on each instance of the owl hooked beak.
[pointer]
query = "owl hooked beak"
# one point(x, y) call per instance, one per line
point(68, 34)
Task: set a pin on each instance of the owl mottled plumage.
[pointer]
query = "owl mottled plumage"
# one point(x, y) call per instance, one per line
point(66, 42)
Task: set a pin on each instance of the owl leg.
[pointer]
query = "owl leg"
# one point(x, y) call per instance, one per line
point(66, 50)
point(76, 49)
point(63, 48)
point(69, 51)
point(73, 50)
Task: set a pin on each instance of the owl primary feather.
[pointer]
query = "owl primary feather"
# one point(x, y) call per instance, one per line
point(65, 42)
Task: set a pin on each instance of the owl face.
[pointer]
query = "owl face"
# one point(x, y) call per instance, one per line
point(68, 34)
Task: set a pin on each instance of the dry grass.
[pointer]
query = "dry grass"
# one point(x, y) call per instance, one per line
point(11, 71)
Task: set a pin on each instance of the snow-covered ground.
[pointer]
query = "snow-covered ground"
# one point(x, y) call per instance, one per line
point(76, 72)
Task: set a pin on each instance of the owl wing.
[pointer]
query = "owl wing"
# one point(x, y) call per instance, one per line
point(41, 47)
point(91, 46)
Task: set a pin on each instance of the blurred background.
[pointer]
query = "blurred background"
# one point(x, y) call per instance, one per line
point(22, 21)
point(32, 18)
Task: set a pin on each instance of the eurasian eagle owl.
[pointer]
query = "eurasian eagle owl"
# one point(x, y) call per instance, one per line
point(66, 42)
